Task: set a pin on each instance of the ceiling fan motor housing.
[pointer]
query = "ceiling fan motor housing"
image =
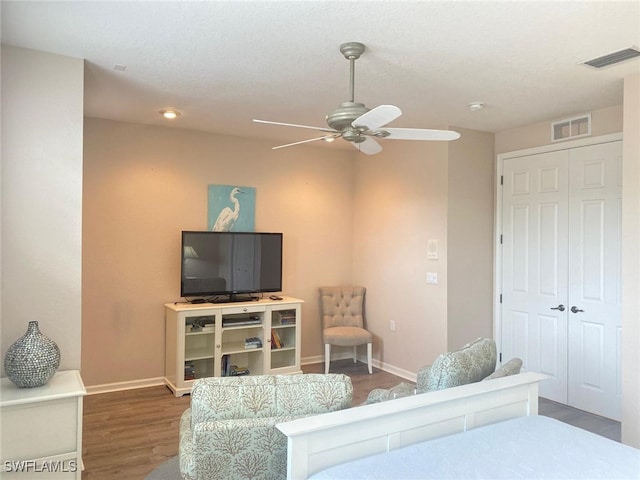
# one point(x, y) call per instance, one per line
point(343, 116)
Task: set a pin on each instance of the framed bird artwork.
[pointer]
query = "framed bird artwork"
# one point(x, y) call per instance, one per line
point(232, 208)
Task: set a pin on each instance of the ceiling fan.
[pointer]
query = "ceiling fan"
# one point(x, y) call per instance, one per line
point(354, 122)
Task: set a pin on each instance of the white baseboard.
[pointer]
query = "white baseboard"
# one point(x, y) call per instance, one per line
point(407, 375)
point(395, 371)
point(129, 385)
point(311, 360)
point(154, 382)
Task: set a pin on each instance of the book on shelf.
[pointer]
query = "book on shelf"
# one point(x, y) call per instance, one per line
point(225, 366)
point(288, 317)
point(229, 370)
point(276, 341)
point(238, 371)
point(189, 371)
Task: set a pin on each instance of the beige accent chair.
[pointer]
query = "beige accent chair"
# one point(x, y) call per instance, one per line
point(342, 310)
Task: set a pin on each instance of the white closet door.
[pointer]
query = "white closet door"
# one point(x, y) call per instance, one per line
point(594, 316)
point(534, 267)
point(561, 292)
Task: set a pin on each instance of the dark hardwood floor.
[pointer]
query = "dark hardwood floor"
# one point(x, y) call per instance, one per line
point(581, 419)
point(129, 433)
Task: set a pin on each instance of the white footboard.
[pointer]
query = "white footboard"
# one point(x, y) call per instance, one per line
point(321, 441)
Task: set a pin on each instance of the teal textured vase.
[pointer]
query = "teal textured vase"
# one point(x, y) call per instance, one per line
point(33, 359)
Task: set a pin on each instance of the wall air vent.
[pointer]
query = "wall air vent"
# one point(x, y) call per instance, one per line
point(571, 128)
point(613, 58)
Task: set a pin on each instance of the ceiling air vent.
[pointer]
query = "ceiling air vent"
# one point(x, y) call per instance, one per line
point(613, 58)
point(571, 128)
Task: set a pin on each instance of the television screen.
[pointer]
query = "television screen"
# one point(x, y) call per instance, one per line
point(230, 263)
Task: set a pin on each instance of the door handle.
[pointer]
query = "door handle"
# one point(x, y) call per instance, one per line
point(559, 307)
point(575, 309)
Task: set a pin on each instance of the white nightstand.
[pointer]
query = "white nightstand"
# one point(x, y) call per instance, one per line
point(41, 428)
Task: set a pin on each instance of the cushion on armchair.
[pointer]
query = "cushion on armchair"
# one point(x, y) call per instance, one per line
point(262, 396)
point(470, 364)
point(382, 394)
point(229, 432)
point(512, 367)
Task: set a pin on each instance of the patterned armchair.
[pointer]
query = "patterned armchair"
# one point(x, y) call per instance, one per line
point(229, 431)
point(474, 362)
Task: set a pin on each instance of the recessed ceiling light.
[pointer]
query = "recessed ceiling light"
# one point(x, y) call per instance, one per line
point(474, 106)
point(170, 114)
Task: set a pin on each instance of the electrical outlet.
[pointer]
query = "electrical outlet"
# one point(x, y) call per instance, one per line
point(432, 278)
point(392, 325)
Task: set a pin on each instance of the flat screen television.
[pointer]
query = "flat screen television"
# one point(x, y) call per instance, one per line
point(233, 265)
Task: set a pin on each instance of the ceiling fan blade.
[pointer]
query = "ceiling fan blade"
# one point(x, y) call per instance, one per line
point(324, 137)
point(377, 117)
point(420, 134)
point(369, 146)
point(321, 129)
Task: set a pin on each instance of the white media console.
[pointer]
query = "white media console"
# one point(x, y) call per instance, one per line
point(240, 338)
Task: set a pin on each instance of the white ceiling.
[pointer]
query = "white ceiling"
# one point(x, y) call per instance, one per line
point(223, 63)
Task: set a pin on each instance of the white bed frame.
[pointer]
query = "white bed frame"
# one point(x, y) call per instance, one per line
point(321, 441)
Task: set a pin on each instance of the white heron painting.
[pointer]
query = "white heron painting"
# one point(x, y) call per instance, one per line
point(231, 208)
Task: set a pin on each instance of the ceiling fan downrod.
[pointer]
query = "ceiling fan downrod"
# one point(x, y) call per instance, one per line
point(352, 52)
point(343, 116)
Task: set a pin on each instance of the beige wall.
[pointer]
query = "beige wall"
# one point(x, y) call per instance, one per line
point(603, 121)
point(42, 102)
point(346, 218)
point(400, 203)
point(470, 233)
point(143, 185)
point(631, 264)
point(409, 194)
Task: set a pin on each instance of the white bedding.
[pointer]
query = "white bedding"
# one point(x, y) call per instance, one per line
point(526, 447)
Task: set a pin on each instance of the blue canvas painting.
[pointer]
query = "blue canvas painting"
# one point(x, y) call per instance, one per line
point(231, 208)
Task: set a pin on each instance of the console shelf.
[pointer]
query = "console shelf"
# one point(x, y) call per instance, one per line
point(208, 340)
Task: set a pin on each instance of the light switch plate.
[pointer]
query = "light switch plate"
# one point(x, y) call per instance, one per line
point(432, 249)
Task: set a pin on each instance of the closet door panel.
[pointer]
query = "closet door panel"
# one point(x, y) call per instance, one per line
point(534, 267)
point(594, 279)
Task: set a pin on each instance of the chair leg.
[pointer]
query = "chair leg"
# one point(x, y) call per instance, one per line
point(327, 357)
point(355, 353)
point(369, 348)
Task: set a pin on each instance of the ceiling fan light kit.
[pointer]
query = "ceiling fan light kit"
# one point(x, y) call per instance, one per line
point(354, 122)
